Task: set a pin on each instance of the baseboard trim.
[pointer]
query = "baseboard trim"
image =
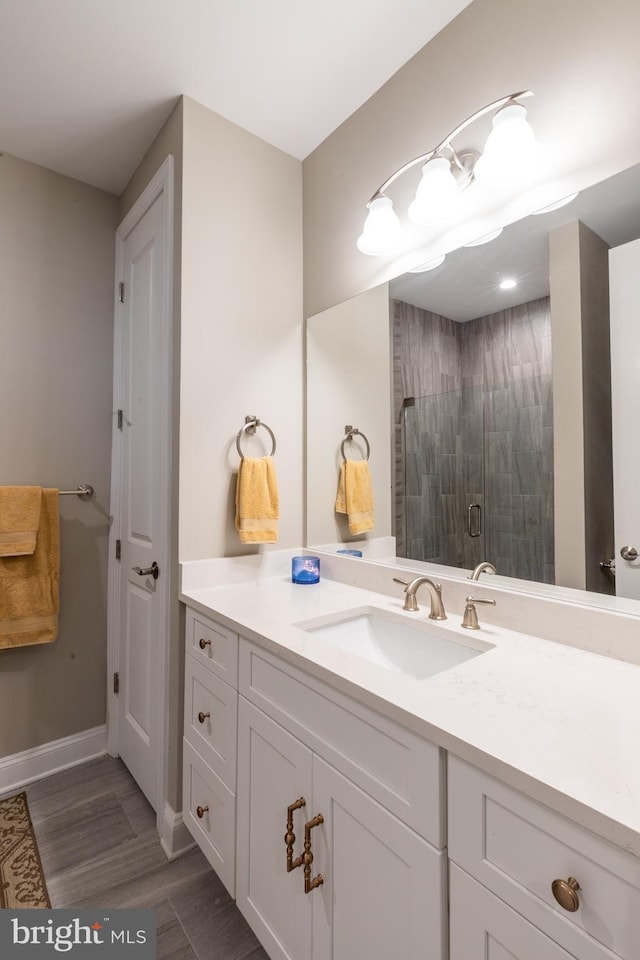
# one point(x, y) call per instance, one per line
point(19, 769)
point(175, 839)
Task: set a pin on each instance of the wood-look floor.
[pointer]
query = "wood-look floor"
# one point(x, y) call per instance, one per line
point(100, 848)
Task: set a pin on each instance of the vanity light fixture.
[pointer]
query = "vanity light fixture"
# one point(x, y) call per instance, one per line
point(509, 155)
point(429, 265)
point(485, 238)
point(555, 205)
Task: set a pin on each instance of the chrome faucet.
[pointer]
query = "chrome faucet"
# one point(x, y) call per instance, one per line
point(483, 567)
point(411, 601)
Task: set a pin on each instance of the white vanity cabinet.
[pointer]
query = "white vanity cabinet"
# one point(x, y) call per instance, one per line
point(483, 927)
point(278, 764)
point(210, 741)
point(517, 850)
point(383, 890)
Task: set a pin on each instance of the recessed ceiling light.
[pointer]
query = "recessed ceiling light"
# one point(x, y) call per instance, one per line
point(508, 284)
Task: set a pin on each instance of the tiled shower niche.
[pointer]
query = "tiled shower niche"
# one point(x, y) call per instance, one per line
point(474, 439)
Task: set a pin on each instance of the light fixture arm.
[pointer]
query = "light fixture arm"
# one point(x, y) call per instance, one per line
point(495, 105)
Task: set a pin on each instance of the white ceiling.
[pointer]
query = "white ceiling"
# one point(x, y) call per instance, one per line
point(87, 84)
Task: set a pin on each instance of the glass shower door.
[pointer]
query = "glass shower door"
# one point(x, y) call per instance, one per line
point(443, 460)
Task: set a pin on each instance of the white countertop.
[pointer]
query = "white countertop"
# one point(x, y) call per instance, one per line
point(560, 723)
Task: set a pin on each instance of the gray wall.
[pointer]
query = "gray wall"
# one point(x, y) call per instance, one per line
point(56, 277)
point(483, 434)
point(241, 350)
point(584, 535)
point(577, 56)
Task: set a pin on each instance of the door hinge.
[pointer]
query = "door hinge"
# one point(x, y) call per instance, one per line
point(116, 683)
point(118, 549)
point(120, 419)
point(121, 291)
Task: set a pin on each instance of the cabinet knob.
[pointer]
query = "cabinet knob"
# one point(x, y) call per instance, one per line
point(566, 893)
point(203, 716)
point(201, 811)
point(204, 643)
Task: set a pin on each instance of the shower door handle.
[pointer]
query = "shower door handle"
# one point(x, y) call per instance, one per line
point(474, 520)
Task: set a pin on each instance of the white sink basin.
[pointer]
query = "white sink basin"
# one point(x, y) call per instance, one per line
point(417, 649)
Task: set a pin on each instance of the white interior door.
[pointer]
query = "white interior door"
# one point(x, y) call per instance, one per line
point(624, 281)
point(140, 499)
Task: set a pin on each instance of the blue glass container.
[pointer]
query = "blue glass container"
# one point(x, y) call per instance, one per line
point(350, 553)
point(305, 569)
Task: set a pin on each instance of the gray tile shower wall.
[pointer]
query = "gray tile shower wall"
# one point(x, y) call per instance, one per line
point(480, 432)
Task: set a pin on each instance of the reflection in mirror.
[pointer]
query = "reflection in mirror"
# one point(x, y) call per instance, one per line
point(500, 434)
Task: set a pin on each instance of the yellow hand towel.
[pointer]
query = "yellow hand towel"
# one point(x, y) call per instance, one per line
point(19, 518)
point(355, 495)
point(257, 501)
point(29, 585)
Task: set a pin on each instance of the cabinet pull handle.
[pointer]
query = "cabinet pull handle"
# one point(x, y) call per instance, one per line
point(204, 643)
point(203, 716)
point(310, 883)
point(566, 893)
point(201, 811)
point(290, 837)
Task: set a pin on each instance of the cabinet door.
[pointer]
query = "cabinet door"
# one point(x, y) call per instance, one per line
point(482, 927)
point(274, 770)
point(383, 894)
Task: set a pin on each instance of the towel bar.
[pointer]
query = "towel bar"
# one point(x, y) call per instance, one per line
point(85, 491)
point(250, 424)
point(350, 433)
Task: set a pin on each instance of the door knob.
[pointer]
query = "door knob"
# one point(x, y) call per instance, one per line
point(628, 553)
point(152, 571)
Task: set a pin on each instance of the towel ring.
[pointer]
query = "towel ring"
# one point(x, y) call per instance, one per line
point(351, 432)
point(250, 427)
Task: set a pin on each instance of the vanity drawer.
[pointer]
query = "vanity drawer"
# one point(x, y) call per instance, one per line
point(482, 927)
point(215, 829)
point(213, 645)
point(394, 766)
point(516, 847)
point(211, 719)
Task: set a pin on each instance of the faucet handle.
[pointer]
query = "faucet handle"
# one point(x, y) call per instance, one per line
point(410, 600)
point(470, 619)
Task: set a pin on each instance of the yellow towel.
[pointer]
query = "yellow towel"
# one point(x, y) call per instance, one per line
point(355, 495)
point(19, 519)
point(29, 585)
point(257, 501)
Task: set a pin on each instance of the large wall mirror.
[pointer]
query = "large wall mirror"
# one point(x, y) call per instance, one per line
point(482, 387)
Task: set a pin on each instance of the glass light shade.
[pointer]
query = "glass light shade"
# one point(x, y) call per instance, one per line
point(555, 205)
point(485, 238)
point(437, 196)
point(428, 265)
point(382, 232)
point(511, 152)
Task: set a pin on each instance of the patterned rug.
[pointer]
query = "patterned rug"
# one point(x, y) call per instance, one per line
point(22, 882)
